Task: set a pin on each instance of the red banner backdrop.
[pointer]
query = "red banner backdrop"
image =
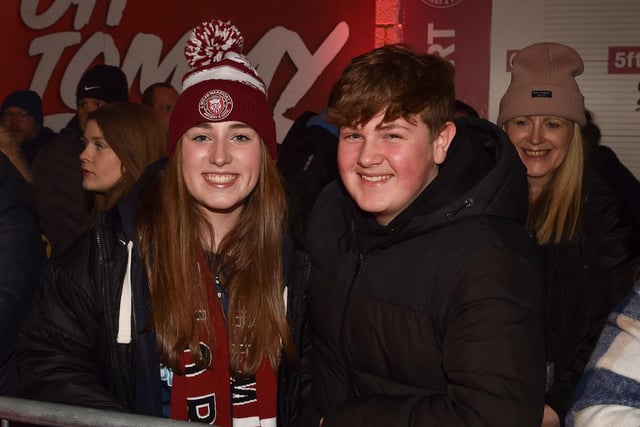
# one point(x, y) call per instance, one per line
point(459, 30)
point(298, 47)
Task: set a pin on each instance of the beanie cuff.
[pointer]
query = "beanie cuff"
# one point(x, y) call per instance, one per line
point(223, 72)
point(240, 102)
point(542, 100)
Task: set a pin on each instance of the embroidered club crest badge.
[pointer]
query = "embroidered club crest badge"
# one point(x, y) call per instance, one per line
point(215, 105)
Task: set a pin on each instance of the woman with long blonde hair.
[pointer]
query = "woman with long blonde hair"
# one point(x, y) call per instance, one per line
point(574, 217)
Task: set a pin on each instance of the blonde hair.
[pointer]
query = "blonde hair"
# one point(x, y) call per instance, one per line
point(554, 217)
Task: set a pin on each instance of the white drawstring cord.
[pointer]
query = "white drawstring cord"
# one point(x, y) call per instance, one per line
point(124, 321)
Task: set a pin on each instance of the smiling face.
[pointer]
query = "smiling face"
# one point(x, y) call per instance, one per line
point(542, 143)
point(101, 167)
point(221, 165)
point(384, 167)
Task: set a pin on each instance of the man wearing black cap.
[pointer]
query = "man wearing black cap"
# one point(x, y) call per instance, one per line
point(63, 205)
point(21, 114)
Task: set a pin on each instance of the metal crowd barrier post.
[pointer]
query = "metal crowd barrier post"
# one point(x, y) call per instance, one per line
point(59, 415)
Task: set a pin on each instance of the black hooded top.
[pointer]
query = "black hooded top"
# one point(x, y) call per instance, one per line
point(434, 319)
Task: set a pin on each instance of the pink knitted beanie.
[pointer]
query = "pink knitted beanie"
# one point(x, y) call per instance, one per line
point(543, 84)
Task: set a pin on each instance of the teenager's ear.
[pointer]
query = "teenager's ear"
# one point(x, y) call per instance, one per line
point(442, 142)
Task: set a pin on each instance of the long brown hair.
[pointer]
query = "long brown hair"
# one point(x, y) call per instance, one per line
point(172, 230)
point(136, 136)
point(387, 80)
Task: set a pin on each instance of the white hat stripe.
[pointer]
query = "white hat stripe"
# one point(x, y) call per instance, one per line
point(223, 72)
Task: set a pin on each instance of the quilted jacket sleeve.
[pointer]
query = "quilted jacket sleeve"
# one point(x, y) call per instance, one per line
point(605, 249)
point(58, 349)
point(493, 356)
point(608, 390)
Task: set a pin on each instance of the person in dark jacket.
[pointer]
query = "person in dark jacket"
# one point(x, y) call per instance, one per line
point(424, 296)
point(608, 167)
point(307, 163)
point(161, 98)
point(21, 260)
point(575, 219)
point(172, 305)
point(65, 209)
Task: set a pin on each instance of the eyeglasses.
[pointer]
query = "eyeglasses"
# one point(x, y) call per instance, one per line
point(19, 115)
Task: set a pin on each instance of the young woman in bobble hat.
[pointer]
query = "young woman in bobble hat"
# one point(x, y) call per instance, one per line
point(573, 216)
point(183, 308)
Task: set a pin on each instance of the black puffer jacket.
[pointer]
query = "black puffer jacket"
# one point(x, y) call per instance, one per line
point(435, 319)
point(21, 263)
point(65, 209)
point(584, 279)
point(69, 351)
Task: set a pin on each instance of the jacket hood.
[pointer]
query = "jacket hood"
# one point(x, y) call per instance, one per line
point(482, 175)
point(483, 167)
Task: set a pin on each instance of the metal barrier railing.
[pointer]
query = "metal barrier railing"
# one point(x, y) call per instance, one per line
point(59, 415)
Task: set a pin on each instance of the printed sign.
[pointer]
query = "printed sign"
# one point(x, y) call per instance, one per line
point(624, 60)
point(299, 48)
point(460, 31)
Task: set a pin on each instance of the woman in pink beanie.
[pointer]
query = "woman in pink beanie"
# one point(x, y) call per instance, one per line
point(173, 305)
point(573, 216)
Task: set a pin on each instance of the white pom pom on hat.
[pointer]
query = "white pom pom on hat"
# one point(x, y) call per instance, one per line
point(222, 85)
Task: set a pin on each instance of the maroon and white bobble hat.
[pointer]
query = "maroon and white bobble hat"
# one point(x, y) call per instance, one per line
point(222, 85)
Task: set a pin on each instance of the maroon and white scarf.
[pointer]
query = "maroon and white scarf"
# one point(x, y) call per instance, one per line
point(210, 395)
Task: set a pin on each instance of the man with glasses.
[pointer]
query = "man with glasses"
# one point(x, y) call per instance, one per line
point(21, 115)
